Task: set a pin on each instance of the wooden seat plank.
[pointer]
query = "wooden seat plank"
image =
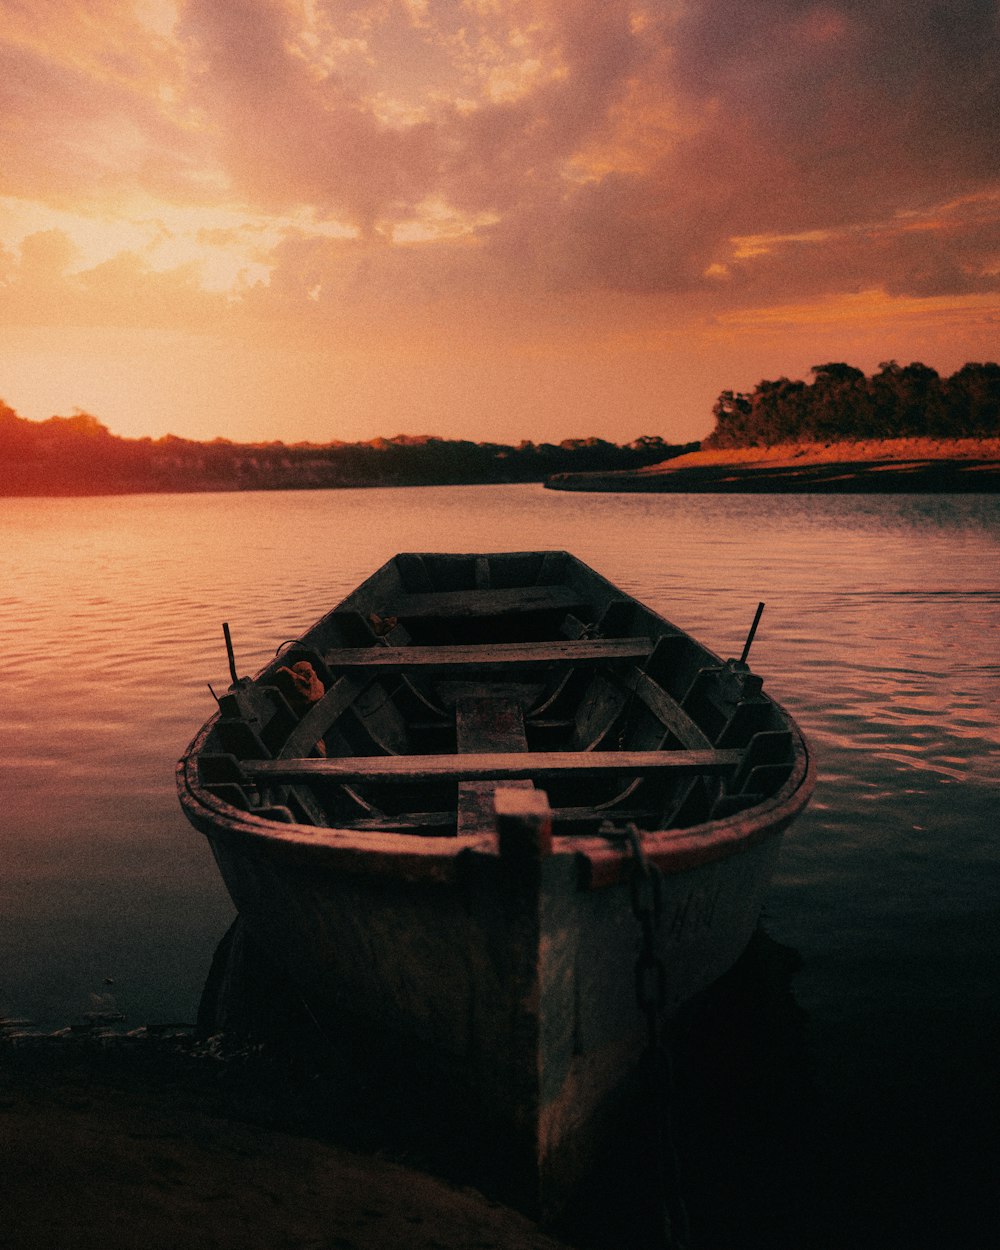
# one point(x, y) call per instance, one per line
point(433, 823)
point(558, 651)
point(500, 766)
point(485, 723)
point(465, 603)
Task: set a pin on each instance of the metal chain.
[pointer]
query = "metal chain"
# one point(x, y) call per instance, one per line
point(646, 891)
point(646, 887)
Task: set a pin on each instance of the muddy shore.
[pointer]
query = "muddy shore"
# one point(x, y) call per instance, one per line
point(112, 1145)
point(178, 1136)
point(889, 466)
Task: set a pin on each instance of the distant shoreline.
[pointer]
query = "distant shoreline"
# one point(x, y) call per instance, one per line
point(66, 457)
point(874, 466)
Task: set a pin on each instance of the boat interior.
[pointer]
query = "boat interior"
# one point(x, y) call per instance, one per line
point(442, 677)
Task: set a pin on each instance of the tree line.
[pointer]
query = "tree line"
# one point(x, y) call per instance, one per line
point(79, 456)
point(899, 401)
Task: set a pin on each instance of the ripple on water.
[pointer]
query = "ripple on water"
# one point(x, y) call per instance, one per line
point(879, 635)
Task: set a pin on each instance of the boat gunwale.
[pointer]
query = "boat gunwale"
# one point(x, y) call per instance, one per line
point(437, 856)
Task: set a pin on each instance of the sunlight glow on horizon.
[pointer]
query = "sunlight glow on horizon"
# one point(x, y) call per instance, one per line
point(289, 219)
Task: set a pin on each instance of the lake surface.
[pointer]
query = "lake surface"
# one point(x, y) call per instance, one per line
point(880, 635)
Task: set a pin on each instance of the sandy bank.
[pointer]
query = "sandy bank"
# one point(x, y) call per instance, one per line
point(894, 450)
point(876, 466)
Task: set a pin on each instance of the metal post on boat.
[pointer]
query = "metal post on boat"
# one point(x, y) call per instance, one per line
point(750, 636)
point(524, 824)
point(229, 652)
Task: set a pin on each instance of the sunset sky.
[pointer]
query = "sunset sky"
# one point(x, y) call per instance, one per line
point(491, 219)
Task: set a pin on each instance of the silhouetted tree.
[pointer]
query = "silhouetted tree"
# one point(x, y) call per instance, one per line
point(841, 403)
point(79, 455)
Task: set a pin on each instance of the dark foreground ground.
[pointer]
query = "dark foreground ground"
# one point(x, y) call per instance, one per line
point(112, 1147)
point(786, 1136)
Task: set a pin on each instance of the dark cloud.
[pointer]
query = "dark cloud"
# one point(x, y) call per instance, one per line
point(286, 137)
point(591, 144)
point(796, 118)
point(853, 109)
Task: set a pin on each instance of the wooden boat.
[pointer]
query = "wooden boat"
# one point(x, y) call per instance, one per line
point(433, 810)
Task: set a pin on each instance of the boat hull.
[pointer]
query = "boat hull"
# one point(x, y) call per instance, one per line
point(517, 1005)
point(500, 970)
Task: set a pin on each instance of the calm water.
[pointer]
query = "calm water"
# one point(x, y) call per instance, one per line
point(880, 635)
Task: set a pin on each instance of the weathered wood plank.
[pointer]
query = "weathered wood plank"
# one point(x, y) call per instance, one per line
point(485, 724)
point(413, 571)
point(432, 823)
point(525, 693)
point(475, 812)
point(668, 711)
point(553, 567)
point(465, 603)
point(494, 767)
point(428, 823)
point(524, 827)
point(321, 716)
point(597, 712)
point(569, 651)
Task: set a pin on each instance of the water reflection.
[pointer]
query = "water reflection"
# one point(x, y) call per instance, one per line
point(746, 1127)
point(761, 1151)
point(879, 635)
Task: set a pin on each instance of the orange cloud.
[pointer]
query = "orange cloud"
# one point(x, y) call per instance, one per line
point(367, 175)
